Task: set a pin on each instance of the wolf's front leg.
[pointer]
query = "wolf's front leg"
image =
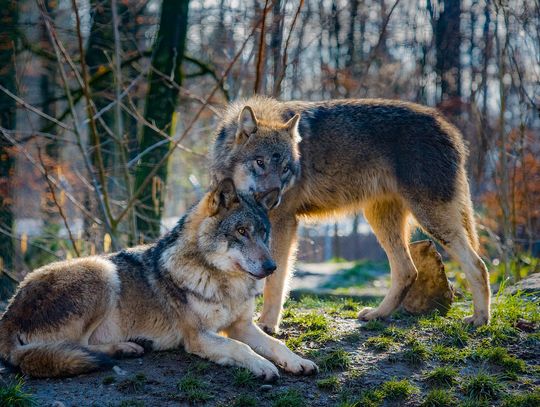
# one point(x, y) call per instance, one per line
point(271, 348)
point(284, 242)
point(227, 352)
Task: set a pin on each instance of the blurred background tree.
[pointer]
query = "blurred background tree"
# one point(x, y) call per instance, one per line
point(107, 109)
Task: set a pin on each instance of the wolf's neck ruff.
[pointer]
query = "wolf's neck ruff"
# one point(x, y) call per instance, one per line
point(178, 256)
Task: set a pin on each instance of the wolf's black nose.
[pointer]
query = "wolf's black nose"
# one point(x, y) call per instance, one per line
point(269, 266)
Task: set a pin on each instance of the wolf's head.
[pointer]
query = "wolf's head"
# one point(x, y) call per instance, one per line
point(263, 155)
point(234, 234)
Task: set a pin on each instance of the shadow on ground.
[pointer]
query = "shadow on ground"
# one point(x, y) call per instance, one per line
point(404, 361)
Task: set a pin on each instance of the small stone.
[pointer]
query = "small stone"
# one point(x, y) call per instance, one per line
point(431, 291)
point(525, 326)
point(58, 404)
point(119, 371)
point(528, 285)
point(266, 387)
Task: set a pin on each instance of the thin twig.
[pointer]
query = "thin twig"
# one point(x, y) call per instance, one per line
point(51, 179)
point(60, 53)
point(123, 153)
point(90, 112)
point(28, 106)
point(55, 200)
point(281, 76)
point(260, 58)
point(12, 235)
point(164, 159)
point(375, 50)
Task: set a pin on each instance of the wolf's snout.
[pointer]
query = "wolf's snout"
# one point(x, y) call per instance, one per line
point(269, 267)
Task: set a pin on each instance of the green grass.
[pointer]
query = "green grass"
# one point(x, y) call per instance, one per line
point(397, 389)
point(199, 366)
point(443, 376)
point(14, 395)
point(499, 356)
point(243, 377)
point(340, 307)
point(454, 333)
point(244, 400)
point(499, 332)
point(380, 343)
point(369, 398)
point(395, 333)
point(507, 310)
point(132, 384)
point(294, 342)
point(312, 321)
point(439, 398)
point(531, 399)
point(314, 325)
point(481, 387)
point(108, 380)
point(449, 354)
point(193, 389)
point(374, 325)
point(330, 383)
point(288, 398)
point(337, 359)
point(415, 352)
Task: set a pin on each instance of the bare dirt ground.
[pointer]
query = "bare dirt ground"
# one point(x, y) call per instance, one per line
point(388, 363)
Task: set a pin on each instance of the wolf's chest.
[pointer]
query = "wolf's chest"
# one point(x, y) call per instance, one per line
point(216, 315)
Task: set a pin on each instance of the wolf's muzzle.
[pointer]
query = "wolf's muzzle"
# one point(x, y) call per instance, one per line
point(269, 267)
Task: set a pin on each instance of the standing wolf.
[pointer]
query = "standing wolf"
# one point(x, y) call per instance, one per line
point(392, 159)
point(201, 278)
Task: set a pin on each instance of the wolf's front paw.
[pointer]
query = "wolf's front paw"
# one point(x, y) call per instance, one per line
point(264, 370)
point(300, 366)
point(368, 314)
point(477, 320)
point(127, 350)
point(269, 329)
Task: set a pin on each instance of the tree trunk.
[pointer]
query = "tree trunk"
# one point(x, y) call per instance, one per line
point(351, 40)
point(275, 44)
point(336, 247)
point(161, 101)
point(101, 44)
point(447, 43)
point(8, 116)
point(47, 86)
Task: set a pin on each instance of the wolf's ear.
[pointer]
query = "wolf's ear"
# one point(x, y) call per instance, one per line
point(268, 199)
point(292, 125)
point(224, 196)
point(247, 125)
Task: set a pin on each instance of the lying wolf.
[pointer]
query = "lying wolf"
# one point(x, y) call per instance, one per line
point(392, 159)
point(201, 278)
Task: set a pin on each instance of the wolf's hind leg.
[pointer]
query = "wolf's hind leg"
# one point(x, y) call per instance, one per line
point(284, 243)
point(388, 218)
point(119, 350)
point(453, 226)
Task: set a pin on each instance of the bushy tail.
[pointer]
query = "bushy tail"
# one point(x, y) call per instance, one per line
point(54, 359)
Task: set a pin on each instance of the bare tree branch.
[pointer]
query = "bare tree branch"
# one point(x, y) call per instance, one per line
point(58, 206)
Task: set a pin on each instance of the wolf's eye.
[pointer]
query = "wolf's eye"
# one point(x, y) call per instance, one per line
point(242, 231)
point(260, 162)
point(286, 169)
